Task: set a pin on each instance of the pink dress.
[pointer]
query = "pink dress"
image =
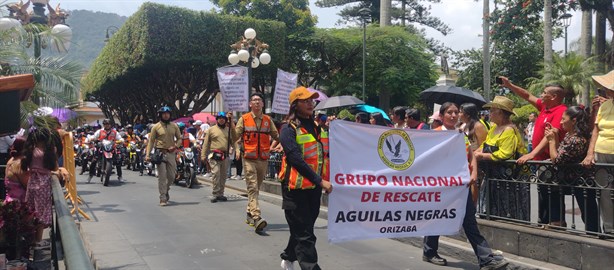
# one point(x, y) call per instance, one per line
point(38, 194)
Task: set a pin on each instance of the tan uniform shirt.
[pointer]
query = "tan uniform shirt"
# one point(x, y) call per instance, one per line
point(258, 119)
point(164, 136)
point(217, 139)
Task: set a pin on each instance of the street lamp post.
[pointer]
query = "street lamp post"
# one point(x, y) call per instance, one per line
point(247, 49)
point(110, 31)
point(566, 19)
point(365, 13)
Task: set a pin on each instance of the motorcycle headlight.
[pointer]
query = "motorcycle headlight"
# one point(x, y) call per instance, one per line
point(189, 154)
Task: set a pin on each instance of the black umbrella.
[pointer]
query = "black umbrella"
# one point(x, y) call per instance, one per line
point(338, 101)
point(446, 93)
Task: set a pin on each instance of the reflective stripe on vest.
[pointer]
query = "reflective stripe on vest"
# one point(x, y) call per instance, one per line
point(315, 155)
point(256, 139)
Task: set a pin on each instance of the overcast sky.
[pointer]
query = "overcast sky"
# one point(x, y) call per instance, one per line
point(463, 16)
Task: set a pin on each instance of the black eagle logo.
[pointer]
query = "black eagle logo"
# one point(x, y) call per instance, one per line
point(397, 148)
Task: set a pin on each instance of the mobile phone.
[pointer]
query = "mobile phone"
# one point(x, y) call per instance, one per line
point(498, 80)
point(600, 92)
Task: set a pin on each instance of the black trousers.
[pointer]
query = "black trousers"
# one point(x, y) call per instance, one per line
point(301, 208)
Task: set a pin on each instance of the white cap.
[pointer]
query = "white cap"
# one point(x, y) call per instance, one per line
point(198, 122)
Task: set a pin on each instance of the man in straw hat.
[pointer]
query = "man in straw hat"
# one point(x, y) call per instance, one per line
point(601, 148)
point(551, 109)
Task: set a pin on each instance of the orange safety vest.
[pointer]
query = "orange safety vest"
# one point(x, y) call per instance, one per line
point(256, 139)
point(315, 154)
point(107, 135)
point(185, 139)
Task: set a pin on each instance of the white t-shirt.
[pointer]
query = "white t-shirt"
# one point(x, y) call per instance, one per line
point(6, 142)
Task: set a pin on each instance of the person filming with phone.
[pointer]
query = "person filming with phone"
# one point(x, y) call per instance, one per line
point(551, 108)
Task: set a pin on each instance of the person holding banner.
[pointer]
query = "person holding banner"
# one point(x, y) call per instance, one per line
point(257, 130)
point(304, 173)
point(480, 247)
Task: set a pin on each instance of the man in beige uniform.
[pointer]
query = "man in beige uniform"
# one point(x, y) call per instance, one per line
point(256, 129)
point(166, 138)
point(216, 142)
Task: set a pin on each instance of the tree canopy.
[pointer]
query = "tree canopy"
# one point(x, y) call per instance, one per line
point(169, 56)
point(398, 63)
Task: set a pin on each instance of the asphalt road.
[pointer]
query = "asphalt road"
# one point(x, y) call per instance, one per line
point(129, 230)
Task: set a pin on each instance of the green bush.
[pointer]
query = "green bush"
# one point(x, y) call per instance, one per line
point(523, 112)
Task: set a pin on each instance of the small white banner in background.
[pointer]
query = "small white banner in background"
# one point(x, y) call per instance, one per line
point(233, 85)
point(285, 83)
point(395, 183)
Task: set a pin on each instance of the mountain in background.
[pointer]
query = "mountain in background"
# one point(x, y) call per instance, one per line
point(88, 34)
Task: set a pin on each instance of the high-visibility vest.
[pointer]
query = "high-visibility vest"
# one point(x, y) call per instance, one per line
point(256, 139)
point(315, 154)
point(185, 139)
point(107, 135)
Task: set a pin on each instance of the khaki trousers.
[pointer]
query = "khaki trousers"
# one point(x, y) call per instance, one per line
point(255, 171)
point(219, 171)
point(166, 174)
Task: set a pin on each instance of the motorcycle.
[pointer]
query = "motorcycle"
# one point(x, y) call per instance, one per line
point(134, 156)
point(84, 156)
point(186, 168)
point(108, 152)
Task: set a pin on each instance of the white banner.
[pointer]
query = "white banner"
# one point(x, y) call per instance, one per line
point(285, 83)
point(395, 183)
point(233, 86)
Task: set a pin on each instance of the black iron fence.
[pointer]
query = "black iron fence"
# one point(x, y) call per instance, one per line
point(561, 197)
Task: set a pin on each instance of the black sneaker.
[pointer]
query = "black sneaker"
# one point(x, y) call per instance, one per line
point(494, 264)
point(222, 198)
point(214, 200)
point(259, 224)
point(437, 260)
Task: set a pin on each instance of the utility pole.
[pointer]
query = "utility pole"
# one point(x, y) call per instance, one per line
point(486, 49)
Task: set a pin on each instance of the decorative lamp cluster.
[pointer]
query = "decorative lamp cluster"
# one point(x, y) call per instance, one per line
point(248, 47)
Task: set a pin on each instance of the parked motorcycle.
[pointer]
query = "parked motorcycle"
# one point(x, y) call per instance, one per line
point(186, 168)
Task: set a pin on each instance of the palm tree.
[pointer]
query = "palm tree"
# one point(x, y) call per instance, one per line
point(57, 79)
point(572, 72)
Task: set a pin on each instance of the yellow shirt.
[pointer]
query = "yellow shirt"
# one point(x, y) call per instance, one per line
point(509, 143)
point(605, 122)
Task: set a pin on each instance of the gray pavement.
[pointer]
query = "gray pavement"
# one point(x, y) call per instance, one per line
point(129, 230)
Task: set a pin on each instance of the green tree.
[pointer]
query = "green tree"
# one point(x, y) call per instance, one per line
point(572, 72)
point(169, 56)
point(409, 11)
point(605, 10)
point(397, 64)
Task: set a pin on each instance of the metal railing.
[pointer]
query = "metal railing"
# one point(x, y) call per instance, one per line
point(64, 228)
point(537, 193)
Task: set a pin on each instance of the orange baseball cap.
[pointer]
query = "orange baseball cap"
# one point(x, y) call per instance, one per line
point(301, 93)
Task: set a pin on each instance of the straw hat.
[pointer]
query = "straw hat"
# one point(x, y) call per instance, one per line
point(605, 81)
point(501, 102)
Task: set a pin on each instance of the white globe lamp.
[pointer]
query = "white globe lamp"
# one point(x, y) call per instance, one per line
point(243, 55)
point(233, 58)
point(265, 58)
point(250, 33)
